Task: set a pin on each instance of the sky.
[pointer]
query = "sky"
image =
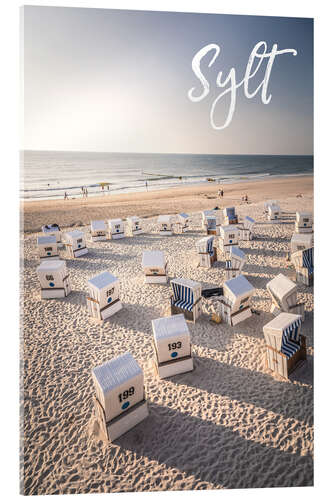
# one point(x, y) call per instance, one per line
point(118, 81)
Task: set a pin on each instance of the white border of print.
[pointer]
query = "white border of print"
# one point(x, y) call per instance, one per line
point(10, 255)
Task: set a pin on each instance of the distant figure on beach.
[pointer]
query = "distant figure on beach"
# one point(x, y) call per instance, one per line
point(108, 187)
point(220, 193)
point(245, 198)
point(65, 196)
point(146, 186)
point(86, 192)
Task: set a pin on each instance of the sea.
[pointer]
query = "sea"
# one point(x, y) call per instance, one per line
point(47, 175)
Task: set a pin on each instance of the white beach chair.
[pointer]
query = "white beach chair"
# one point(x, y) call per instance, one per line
point(172, 346)
point(235, 301)
point(273, 212)
point(47, 248)
point(285, 346)
point(182, 222)
point(154, 266)
point(116, 229)
point(206, 251)
point(75, 244)
point(52, 230)
point(268, 203)
point(204, 215)
point(283, 293)
point(186, 298)
point(164, 224)
point(304, 222)
point(103, 299)
point(54, 279)
point(229, 216)
point(300, 241)
point(245, 229)
point(120, 401)
point(304, 266)
point(98, 230)
point(134, 225)
point(234, 264)
point(229, 236)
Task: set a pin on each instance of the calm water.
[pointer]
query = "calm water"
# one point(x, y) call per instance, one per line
point(48, 174)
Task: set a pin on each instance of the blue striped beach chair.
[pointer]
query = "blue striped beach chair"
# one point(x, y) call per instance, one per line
point(186, 298)
point(207, 251)
point(234, 264)
point(304, 265)
point(285, 346)
point(230, 216)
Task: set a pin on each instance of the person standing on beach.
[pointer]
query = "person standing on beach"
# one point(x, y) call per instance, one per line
point(65, 196)
point(146, 186)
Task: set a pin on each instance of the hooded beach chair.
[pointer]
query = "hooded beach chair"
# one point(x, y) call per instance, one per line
point(54, 279)
point(304, 222)
point(75, 244)
point(182, 222)
point(164, 224)
point(235, 300)
point(120, 401)
point(154, 266)
point(98, 230)
point(204, 215)
point(234, 264)
point(285, 346)
point(103, 296)
point(229, 216)
point(172, 346)
point(186, 298)
point(134, 225)
point(304, 266)
point(116, 229)
point(229, 236)
point(273, 212)
point(301, 241)
point(283, 293)
point(52, 230)
point(245, 229)
point(47, 248)
point(206, 251)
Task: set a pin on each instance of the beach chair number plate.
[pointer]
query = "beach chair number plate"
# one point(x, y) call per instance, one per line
point(174, 345)
point(126, 394)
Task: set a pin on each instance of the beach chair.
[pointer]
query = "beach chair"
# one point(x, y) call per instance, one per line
point(186, 298)
point(304, 222)
point(164, 224)
point(304, 267)
point(229, 216)
point(54, 279)
point(211, 225)
point(301, 241)
point(103, 299)
point(234, 264)
point(52, 230)
point(285, 346)
point(98, 230)
point(245, 229)
point(235, 300)
point(116, 229)
point(172, 346)
point(229, 236)
point(134, 225)
point(120, 402)
point(273, 212)
point(182, 222)
point(283, 293)
point(206, 251)
point(47, 248)
point(75, 244)
point(204, 215)
point(154, 266)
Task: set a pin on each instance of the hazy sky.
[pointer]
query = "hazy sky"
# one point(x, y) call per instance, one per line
point(112, 80)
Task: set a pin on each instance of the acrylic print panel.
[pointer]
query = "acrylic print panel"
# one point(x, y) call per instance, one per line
point(142, 113)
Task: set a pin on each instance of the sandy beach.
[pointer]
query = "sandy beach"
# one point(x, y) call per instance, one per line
point(228, 424)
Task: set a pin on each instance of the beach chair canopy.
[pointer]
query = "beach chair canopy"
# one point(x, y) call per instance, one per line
point(281, 287)
point(114, 222)
point(183, 292)
point(205, 245)
point(165, 219)
point(74, 235)
point(307, 257)
point(46, 240)
point(52, 266)
point(238, 287)
point(116, 372)
point(102, 280)
point(211, 222)
point(98, 225)
point(300, 216)
point(283, 333)
point(230, 213)
point(301, 241)
point(249, 222)
point(183, 217)
point(133, 219)
point(153, 258)
point(171, 326)
point(50, 228)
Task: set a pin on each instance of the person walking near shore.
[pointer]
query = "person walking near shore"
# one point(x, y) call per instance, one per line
point(65, 196)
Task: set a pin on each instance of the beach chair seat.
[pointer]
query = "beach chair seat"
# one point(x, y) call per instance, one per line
point(285, 346)
point(186, 298)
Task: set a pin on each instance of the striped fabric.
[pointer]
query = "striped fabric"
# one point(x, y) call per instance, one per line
point(289, 348)
point(231, 213)
point(210, 247)
point(211, 223)
point(183, 296)
point(291, 339)
point(228, 264)
point(307, 256)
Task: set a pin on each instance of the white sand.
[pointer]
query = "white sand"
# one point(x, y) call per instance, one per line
point(227, 424)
